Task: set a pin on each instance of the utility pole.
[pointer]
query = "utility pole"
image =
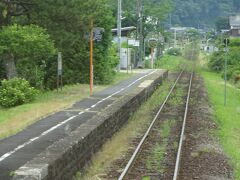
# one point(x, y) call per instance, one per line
point(119, 26)
point(91, 57)
point(170, 20)
point(175, 38)
point(140, 30)
point(226, 42)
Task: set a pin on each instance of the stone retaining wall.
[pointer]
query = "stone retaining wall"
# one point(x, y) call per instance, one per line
point(64, 158)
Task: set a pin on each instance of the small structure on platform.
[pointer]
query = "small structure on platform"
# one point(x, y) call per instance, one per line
point(127, 53)
point(126, 58)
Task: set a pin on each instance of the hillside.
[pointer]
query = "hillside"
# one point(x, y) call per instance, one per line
point(202, 13)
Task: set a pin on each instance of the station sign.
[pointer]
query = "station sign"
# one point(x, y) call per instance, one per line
point(98, 34)
point(152, 42)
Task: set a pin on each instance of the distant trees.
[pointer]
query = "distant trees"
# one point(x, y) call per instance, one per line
point(11, 9)
point(202, 13)
point(193, 35)
point(222, 23)
point(154, 14)
point(236, 5)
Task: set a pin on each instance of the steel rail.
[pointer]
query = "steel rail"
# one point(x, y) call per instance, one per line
point(177, 165)
point(130, 162)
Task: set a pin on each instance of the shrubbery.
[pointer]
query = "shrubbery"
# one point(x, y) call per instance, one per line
point(147, 64)
point(217, 60)
point(174, 52)
point(15, 92)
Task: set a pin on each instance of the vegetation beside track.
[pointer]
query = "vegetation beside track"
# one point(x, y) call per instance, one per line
point(227, 116)
point(172, 63)
point(120, 143)
point(13, 120)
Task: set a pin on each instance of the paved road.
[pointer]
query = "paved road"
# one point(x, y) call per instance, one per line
point(16, 150)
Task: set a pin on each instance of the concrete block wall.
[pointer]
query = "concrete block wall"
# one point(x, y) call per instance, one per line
point(64, 158)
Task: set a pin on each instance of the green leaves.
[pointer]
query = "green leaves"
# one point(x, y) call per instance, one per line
point(31, 47)
point(67, 22)
point(217, 60)
point(26, 41)
point(200, 13)
point(15, 92)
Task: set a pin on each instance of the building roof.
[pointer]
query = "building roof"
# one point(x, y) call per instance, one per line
point(181, 29)
point(124, 30)
point(234, 21)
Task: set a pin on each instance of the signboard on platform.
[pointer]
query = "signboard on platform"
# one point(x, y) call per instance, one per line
point(133, 42)
point(98, 34)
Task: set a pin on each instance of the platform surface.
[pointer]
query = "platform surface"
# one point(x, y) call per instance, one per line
point(16, 150)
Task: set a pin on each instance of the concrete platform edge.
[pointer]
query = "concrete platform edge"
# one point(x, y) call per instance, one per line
point(65, 157)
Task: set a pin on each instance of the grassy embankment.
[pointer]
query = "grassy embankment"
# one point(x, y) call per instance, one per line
point(228, 117)
point(172, 63)
point(120, 143)
point(15, 119)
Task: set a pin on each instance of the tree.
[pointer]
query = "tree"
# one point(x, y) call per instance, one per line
point(201, 14)
point(68, 23)
point(155, 13)
point(25, 50)
point(222, 23)
point(193, 35)
point(14, 8)
point(218, 58)
point(236, 4)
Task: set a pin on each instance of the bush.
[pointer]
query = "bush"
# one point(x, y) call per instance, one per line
point(147, 64)
point(217, 61)
point(174, 52)
point(15, 92)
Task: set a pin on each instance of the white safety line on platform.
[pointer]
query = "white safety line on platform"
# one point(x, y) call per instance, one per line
point(3, 157)
point(34, 139)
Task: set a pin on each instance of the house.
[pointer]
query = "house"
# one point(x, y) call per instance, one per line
point(234, 22)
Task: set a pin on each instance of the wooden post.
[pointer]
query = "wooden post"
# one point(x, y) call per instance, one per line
point(152, 51)
point(57, 83)
point(91, 57)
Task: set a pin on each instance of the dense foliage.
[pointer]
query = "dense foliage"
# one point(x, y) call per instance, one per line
point(202, 13)
point(194, 13)
point(31, 48)
point(16, 92)
point(217, 60)
point(68, 24)
point(174, 52)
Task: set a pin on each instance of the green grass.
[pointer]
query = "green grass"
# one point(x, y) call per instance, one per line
point(146, 178)
point(119, 144)
point(13, 120)
point(172, 63)
point(156, 156)
point(228, 117)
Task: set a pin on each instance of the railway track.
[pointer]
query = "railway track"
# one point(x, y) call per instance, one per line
point(133, 168)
